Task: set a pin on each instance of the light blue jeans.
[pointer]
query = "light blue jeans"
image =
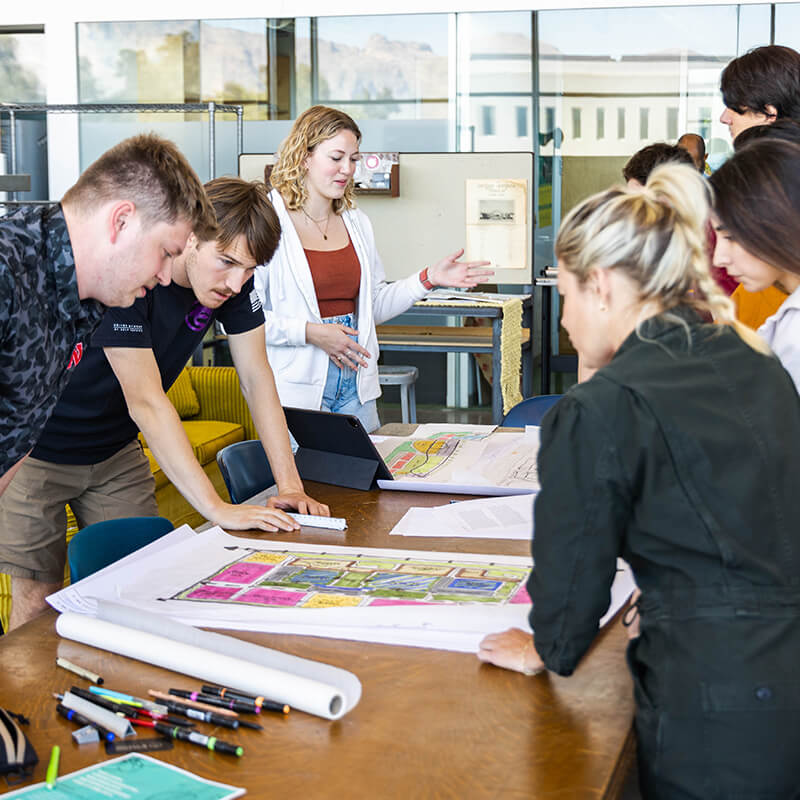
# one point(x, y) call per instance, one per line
point(341, 393)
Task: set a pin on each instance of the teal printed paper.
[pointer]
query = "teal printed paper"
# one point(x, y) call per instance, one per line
point(133, 775)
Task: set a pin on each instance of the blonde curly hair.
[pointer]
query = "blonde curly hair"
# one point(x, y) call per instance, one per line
point(657, 236)
point(316, 124)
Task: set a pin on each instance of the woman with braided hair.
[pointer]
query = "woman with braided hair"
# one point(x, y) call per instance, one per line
point(674, 456)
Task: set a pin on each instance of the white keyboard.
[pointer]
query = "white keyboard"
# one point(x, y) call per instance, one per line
point(312, 521)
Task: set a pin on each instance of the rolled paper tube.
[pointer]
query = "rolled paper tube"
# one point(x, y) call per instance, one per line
point(346, 682)
point(214, 667)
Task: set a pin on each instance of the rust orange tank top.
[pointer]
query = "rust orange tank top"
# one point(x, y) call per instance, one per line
point(337, 276)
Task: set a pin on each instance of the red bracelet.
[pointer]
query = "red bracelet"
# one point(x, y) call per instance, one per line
point(423, 279)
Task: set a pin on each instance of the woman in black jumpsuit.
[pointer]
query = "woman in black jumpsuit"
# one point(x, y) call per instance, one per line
point(682, 455)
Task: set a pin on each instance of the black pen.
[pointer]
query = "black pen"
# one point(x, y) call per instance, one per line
point(261, 702)
point(203, 716)
point(212, 700)
point(211, 742)
point(74, 716)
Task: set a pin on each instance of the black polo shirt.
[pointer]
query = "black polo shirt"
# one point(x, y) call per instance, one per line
point(43, 324)
point(91, 421)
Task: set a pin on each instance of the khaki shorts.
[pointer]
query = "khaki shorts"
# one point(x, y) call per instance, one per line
point(33, 520)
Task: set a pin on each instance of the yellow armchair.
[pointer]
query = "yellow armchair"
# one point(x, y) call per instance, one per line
point(214, 414)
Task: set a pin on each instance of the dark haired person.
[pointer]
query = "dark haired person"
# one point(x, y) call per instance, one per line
point(678, 456)
point(644, 161)
point(114, 235)
point(89, 455)
point(760, 87)
point(757, 241)
point(695, 146)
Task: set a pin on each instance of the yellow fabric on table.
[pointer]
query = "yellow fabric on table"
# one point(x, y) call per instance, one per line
point(510, 342)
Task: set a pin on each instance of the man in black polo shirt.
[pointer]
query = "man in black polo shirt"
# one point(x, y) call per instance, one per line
point(89, 455)
point(113, 236)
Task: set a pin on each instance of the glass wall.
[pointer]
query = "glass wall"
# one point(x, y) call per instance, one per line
point(23, 80)
point(606, 82)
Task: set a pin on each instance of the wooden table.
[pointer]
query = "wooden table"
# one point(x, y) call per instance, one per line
point(430, 724)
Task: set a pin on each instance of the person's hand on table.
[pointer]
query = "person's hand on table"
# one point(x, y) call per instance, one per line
point(511, 649)
point(250, 517)
point(460, 274)
point(300, 502)
point(334, 339)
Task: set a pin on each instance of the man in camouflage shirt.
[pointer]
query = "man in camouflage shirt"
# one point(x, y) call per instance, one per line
point(112, 237)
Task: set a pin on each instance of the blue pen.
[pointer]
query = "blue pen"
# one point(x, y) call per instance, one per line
point(74, 716)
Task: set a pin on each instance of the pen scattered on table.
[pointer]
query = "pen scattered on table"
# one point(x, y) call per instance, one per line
point(210, 742)
point(239, 706)
point(261, 702)
point(74, 716)
point(83, 672)
point(122, 697)
point(52, 768)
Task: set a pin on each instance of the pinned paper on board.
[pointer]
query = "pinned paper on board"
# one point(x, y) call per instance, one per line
point(497, 228)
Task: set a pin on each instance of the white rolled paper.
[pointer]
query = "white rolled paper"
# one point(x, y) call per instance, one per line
point(348, 684)
point(248, 676)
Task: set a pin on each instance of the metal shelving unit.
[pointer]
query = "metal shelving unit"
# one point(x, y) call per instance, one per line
point(211, 108)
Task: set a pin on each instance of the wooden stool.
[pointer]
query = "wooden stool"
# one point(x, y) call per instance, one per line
point(405, 378)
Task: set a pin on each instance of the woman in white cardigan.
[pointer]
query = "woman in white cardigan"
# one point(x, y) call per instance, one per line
point(325, 290)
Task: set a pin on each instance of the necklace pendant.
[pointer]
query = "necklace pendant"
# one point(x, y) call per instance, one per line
point(325, 237)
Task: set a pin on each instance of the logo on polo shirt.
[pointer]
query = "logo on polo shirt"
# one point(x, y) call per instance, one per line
point(255, 301)
point(198, 317)
point(77, 355)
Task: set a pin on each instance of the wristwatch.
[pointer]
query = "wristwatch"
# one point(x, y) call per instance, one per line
point(423, 279)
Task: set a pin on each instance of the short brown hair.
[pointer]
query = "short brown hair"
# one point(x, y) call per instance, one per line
point(316, 124)
point(244, 208)
point(644, 161)
point(153, 174)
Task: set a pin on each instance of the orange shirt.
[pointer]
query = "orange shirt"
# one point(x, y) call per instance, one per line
point(337, 276)
point(753, 308)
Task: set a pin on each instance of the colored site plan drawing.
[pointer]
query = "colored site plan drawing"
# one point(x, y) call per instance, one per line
point(480, 463)
point(330, 580)
point(422, 457)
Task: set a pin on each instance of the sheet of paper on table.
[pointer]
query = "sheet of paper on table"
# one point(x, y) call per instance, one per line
point(429, 599)
point(462, 462)
point(134, 775)
point(487, 518)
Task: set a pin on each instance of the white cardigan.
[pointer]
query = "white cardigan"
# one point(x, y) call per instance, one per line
point(287, 294)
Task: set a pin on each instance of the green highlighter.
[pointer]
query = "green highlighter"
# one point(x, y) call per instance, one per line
point(52, 767)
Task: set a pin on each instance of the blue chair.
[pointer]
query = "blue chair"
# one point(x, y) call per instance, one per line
point(530, 411)
point(98, 545)
point(244, 469)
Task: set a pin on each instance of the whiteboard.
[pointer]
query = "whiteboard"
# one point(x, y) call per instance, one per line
point(428, 220)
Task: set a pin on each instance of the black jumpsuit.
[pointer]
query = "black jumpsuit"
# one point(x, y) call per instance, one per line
point(684, 459)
